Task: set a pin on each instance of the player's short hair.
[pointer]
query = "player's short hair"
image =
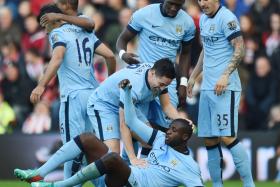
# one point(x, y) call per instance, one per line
point(188, 127)
point(74, 3)
point(164, 68)
point(50, 8)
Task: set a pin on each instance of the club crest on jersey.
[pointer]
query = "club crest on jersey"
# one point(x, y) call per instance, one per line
point(109, 128)
point(212, 28)
point(179, 29)
point(174, 162)
point(54, 38)
point(232, 25)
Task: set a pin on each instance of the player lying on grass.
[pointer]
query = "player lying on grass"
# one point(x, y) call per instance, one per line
point(169, 162)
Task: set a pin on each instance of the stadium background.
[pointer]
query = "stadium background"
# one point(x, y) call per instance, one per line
point(28, 133)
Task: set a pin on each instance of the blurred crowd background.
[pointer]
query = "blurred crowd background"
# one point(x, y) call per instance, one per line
point(24, 53)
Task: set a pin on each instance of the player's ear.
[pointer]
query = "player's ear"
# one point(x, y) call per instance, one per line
point(153, 72)
point(186, 136)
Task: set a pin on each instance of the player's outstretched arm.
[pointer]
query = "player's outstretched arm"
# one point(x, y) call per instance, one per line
point(121, 46)
point(57, 57)
point(127, 142)
point(140, 128)
point(83, 22)
point(109, 56)
point(169, 109)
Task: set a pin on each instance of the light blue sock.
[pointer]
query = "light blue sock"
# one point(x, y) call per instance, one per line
point(99, 182)
point(277, 179)
point(73, 166)
point(215, 164)
point(67, 152)
point(241, 161)
point(91, 171)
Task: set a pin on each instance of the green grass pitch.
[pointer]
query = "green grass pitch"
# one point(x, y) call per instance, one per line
point(227, 184)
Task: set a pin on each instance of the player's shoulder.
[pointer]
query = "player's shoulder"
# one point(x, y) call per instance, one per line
point(83, 16)
point(183, 15)
point(224, 10)
point(225, 14)
point(147, 9)
point(140, 65)
point(147, 65)
point(151, 7)
point(203, 18)
point(185, 19)
point(62, 28)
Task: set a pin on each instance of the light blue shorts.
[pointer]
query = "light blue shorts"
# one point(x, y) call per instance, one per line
point(218, 115)
point(105, 123)
point(73, 118)
point(156, 115)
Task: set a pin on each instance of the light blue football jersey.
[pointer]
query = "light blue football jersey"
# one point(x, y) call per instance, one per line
point(76, 72)
point(166, 166)
point(160, 36)
point(216, 33)
point(107, 95)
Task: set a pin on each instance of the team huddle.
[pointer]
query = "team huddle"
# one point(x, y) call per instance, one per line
point(141, 104)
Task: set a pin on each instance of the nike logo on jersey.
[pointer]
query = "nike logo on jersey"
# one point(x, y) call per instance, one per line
point(155, 26)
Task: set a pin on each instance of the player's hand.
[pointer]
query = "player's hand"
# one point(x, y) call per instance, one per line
point(190, 88)
point(182, 113)
point(125, 83)
point(182, 94)
point(36, 94)
point(130, 58)
point(221, 85)
point(139, 162)
point(49, 17)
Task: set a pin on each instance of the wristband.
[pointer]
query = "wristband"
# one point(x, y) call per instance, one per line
point(184, 81)
point(122, 51)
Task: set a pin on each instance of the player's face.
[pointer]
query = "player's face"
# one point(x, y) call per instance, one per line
point(209, 7)
point(158, 84)
point(171, 7)
point(174, 135)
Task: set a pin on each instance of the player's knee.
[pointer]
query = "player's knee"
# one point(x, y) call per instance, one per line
point(88, 139)
point(211, 141)
point(112, 159)
point(228, 140)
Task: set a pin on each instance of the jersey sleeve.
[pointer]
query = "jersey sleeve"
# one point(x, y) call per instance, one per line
point(136, 21)
point(57, 38)
point(158, 140)
point(134, 98)
point(164, 91)
point(141, 116)
point(83, 16)
point(96, 41)
point(189, 30)
point(230, 26)
point(145, 132)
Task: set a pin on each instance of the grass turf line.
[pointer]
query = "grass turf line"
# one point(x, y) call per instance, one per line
point(4, 183)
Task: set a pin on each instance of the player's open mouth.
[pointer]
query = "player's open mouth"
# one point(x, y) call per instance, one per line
point(166, 138)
